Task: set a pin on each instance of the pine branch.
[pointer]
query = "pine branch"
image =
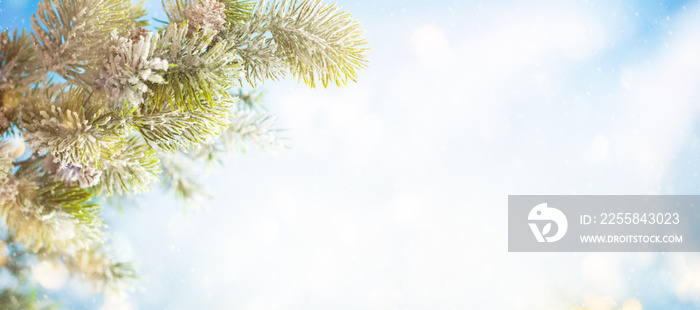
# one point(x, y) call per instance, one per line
point(74, 126)
point(238, 10)
point(129, 68)
point(250, 128)
point(11, 299)
point(250, 99)
point(93, 265)
point(6, 158)
point(73, 35)
point(138, 106)
point(137, 13)
point(171, 130)
point(43, 214)
point(315, 40)
point(96, 268)
point(259, 53)
point(202, 70)
point(15, 257)
point(175, 10)
point(132, 168)
point(179, 176)
point(18, 62)
point(7, 120)
point(235, 11)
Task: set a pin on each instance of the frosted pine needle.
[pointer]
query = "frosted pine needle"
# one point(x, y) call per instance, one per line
point(130, 67)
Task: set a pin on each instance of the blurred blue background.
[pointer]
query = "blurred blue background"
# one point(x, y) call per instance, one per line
point(394, 192)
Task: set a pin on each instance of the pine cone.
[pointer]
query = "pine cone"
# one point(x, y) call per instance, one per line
point(205, 14)
point(84, 175)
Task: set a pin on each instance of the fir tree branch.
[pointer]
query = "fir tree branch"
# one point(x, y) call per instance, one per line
point(259, 53)
point(95, 268)
point(235, 11)
point(178, 175)
point(74, 126)
point(11, 299)
point(250, 99)
point(93, 265)
point(6, 159)
point(238, 10)
point(139, 106)
point(315, 40)
point(175, 10)
point(138, 14)
point(129, 68)
point(43, 214)
point(18, 61)
point(73, 35)
point(172, 130)
point(201, 70)
point(15, 257)
point(250, 128)
point(131, 168)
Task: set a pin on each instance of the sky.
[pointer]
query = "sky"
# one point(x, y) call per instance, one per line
point(393, 193)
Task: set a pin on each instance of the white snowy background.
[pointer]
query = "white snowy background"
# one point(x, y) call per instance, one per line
point(393, 194)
